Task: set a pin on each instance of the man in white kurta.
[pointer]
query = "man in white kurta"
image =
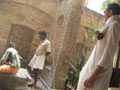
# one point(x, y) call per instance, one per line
point(38, 60)
point(96, 74)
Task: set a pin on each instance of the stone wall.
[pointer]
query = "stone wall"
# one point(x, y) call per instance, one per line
point(72, 11)
point(25, 14)
point(20, 21)
point(64, 38)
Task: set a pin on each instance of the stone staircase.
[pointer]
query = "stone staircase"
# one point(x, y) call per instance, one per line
point(45, 79)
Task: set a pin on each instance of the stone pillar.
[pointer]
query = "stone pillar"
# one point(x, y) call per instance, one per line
point(72, 12)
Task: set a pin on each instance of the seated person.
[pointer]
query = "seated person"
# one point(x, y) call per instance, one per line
point(10, 62)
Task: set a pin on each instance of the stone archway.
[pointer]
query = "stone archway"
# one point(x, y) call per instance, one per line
point(22, 36)
point(13, 13)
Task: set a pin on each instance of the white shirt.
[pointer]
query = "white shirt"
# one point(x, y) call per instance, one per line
point(102, 55)
point(44, 47)
point(15, 58)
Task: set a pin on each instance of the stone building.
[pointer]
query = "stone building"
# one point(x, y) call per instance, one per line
point(65, 23)
point(20, 21)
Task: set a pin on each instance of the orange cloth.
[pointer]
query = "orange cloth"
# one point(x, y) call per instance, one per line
point(6, 68)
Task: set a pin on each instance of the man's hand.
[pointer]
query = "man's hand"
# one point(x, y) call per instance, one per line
point(99, 35)
point(48, 53)
point(89, 82)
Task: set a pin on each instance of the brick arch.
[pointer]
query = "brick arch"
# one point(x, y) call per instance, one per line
point(22, 36)
point(48, 6)
point(25, 15)
point(23, 11)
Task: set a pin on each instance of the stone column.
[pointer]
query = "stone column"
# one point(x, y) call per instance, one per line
point(72, 12)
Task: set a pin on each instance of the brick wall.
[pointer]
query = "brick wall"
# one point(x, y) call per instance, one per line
point(22, 14)
point(64, 26)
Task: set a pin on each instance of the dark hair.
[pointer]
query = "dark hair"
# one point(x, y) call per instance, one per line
point(43, 33)
point(11, 44)
point(115, 8)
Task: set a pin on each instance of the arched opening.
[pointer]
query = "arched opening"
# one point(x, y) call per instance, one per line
point(22, 36)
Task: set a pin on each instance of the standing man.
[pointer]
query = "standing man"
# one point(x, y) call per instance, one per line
point(96, 74)
point(38, 60)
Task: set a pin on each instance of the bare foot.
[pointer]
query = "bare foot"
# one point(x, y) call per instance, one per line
point(34, 86)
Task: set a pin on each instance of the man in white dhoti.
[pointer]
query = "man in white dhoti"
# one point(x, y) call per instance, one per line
point(96, 74)
point(38, 60)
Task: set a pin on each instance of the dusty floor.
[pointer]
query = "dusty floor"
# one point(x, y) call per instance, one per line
point(114, 89)
point(41, 87)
